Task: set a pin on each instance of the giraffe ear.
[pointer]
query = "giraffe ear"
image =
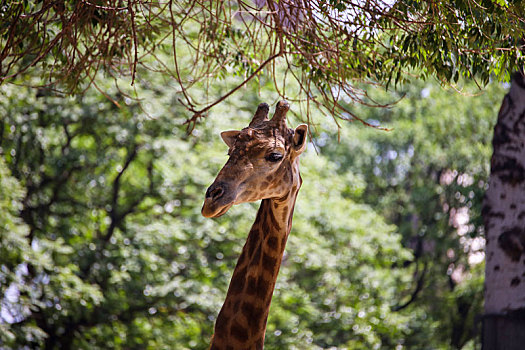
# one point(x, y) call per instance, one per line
point(229, 137)
point(299, 138)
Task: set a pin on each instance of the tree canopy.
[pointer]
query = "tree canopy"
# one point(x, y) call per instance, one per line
point(103, 245)
point(102, 174)
point(324, 47)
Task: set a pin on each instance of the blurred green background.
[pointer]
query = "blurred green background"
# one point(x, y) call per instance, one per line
point(102, 245)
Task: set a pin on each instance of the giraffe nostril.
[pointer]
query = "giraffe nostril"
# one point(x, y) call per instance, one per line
point(214, 192)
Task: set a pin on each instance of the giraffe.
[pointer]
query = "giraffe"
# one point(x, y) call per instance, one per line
point(263, 164)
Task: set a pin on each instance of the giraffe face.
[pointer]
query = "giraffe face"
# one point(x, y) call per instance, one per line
point(261, 165)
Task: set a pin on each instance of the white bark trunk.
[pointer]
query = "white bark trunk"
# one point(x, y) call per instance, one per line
point(504, 218)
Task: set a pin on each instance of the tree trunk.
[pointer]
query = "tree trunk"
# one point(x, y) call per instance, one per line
point(504, 218)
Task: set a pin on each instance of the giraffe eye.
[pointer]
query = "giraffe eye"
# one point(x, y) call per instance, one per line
point(274, 157)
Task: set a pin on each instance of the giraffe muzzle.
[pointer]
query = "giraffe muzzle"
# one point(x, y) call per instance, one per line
point(217, 200)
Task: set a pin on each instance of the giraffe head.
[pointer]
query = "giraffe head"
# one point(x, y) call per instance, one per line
point(262, 162)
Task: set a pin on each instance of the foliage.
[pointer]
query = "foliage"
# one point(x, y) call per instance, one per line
point(103, 244)
point(325, 47)
point(73, 160)
point(107, 247)
point(428, 177)
point(17, 297)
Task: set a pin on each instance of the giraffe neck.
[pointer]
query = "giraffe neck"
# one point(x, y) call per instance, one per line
point(241, 323)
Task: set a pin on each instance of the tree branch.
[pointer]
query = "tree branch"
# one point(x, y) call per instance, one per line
point(419, 287)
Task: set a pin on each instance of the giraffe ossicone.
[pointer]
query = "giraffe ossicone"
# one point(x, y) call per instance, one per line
point(263, 165)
